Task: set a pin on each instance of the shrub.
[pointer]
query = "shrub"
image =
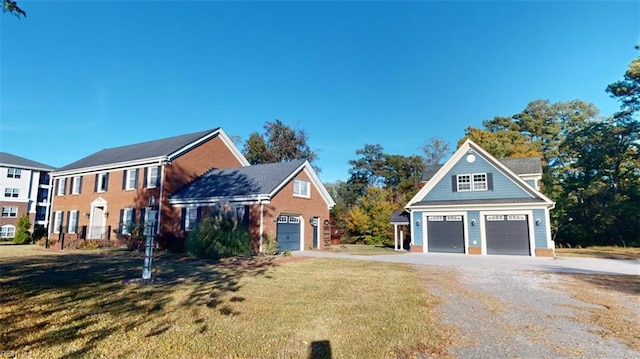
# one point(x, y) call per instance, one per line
point(269, 246)
point(219, 236)
point(43, 242)
point(286, 253)
point(22, 231)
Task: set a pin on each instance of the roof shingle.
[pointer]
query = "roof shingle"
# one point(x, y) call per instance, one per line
point(9, 159)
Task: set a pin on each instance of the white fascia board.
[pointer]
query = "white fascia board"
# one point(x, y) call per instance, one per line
point(109, 167)
point(9, 165)
point(211, 200)
point(306, 166)
point(473, 207)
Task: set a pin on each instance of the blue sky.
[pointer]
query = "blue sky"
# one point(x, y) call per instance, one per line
point(80, 76)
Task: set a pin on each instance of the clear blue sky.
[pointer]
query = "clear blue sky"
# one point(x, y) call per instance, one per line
point(80, 76)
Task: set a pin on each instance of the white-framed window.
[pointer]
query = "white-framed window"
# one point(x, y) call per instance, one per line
point(131, 179)
point(283, 219)
point(127, 220)
point(495, 218)
point(435, 218)
point(516, 217)
point(73, 221)
point(9, 212)
point(454, 218)
point(293, 219)
point(62, 184)
point(14, 173)
point(153, 173)
point(102, 182)
point(57, 221)
point(11, 192)
point(464, 183)
point(479, 181)
point(7, 231)
point(76, 182)
point(301, 188)
point(190, 218)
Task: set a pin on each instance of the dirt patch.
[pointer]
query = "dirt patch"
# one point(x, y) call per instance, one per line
point(615, 301)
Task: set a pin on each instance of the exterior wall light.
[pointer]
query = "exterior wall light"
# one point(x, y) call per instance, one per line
point(537, 221)
point(417, 223)
point(473, 222)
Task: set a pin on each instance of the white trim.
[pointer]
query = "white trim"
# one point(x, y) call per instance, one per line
point(109, 167)
point(483, 231)
point(465, 229)
point(253, 199)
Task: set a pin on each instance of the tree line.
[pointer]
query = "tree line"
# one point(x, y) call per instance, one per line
point(591, 167)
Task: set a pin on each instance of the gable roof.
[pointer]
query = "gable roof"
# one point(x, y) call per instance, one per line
point(469, 146)
point(162, 149)
point(249, 183)
point(519, 166)
point(10, 160)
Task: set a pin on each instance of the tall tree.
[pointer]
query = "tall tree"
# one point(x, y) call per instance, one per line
point(368, 222)
point(11, 7)
point(627, 90)
point(434, 151)
point(279, 143)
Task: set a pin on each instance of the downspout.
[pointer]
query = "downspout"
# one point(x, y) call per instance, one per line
point(261, 224)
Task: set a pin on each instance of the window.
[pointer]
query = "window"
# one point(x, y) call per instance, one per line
point(190, 218)
point(11, 192)
point(9, 212)
point(464, 183)
point(7, 231)
point(152, 176)
point(495, 218)
point(131, 179)
point(472, 182)
point(293, 219)
point(127, 220)
point(73, 221)
point(301, 188)
point(76, 185)
point(102, 182)
point(518, 217)
point(480, 182)
point(57, 222)
point(283, 219)
point(454, 218)
point(14, 173)
point(435, 218)
point(62, 184)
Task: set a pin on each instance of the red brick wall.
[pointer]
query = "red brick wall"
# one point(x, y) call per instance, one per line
point(22, 210)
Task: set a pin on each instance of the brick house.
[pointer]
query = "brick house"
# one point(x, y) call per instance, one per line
point(101, 195)
point(25, 187)
point(283, 201)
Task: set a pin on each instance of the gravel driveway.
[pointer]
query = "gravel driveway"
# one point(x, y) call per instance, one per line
point(518, 307)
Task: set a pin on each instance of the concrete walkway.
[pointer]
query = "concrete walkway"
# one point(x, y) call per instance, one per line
point(548, 264)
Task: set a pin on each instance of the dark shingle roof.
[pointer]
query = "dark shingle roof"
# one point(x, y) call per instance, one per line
point(238, 181)
point(400, 216)
point(21, 162)
point(478, 201)
point(138, 151)
point(520, 166)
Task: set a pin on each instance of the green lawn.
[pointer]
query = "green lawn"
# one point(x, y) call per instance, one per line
point(88, 304)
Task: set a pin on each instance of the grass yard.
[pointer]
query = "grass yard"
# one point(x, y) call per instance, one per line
point(632, 253)
point(89, 304)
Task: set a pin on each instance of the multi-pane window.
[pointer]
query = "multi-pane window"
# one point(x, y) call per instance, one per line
point(479, 181)
point(62, 184)
point(464, 183)
point(7, 231)
point(76, 183)
point(14, 173)
point(57, 221)
point(11, 192)
point(300, 188)
point(102, 181)
point(152, 176)
point(190, 218)
point(9, 212)
point(131, 179)
point(127, 220)
point(73, 221)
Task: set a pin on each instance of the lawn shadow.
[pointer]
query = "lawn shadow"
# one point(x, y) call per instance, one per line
point(53, 300)
point(628, 284)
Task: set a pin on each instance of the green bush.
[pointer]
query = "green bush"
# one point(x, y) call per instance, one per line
point(219, 236)
point(22, 231)
point(270, 246)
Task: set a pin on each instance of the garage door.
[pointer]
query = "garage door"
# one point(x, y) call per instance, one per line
point(288, 233)
point(507, 234)
point(445, 234)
